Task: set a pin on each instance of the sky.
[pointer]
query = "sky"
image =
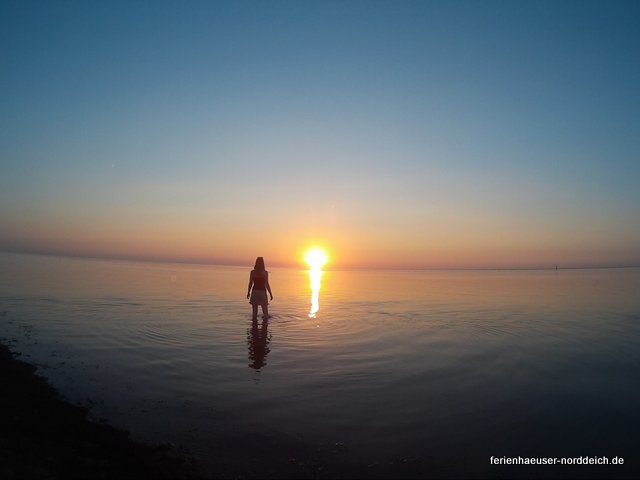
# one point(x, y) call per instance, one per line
point(394, 134)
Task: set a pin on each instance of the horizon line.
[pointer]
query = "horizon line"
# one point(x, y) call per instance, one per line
point(184, 261)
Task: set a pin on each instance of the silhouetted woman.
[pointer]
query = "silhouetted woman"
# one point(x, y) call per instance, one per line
point(258, 288)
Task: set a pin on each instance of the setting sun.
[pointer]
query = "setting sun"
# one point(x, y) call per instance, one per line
point(315, 258)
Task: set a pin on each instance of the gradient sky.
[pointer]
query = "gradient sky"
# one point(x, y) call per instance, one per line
point(395, 134)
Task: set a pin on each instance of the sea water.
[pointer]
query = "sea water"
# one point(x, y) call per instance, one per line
point(401, 373)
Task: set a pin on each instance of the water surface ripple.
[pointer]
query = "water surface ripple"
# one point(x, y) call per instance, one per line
point(443, 369)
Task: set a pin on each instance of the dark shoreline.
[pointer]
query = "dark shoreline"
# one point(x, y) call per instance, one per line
point(44, 436)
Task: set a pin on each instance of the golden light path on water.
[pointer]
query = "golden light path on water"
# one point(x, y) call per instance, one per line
point(315, 275)
point(315, 258)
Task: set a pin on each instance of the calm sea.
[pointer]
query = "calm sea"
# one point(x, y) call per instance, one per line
point(399, 373)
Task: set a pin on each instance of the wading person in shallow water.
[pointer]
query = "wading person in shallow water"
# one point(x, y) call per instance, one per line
point(258, 288)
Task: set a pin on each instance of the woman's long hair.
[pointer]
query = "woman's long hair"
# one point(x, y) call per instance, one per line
point(259, 266)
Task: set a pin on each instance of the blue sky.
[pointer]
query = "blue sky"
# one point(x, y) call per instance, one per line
point(394, 133)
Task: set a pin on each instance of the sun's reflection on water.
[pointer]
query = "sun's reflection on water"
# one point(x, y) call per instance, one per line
point(315, 277)
point(315, 258)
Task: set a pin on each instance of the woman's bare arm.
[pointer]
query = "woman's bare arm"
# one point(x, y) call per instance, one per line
point(268, 286)
point(250, 284)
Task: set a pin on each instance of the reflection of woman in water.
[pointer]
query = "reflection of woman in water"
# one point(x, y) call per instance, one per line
point(258, 340)
point(258, 288)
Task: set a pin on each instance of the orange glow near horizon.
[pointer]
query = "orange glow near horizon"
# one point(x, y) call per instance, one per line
point(192, 241)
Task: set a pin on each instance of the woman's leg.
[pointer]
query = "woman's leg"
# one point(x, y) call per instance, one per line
point(255, 311)
point(265, 310)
